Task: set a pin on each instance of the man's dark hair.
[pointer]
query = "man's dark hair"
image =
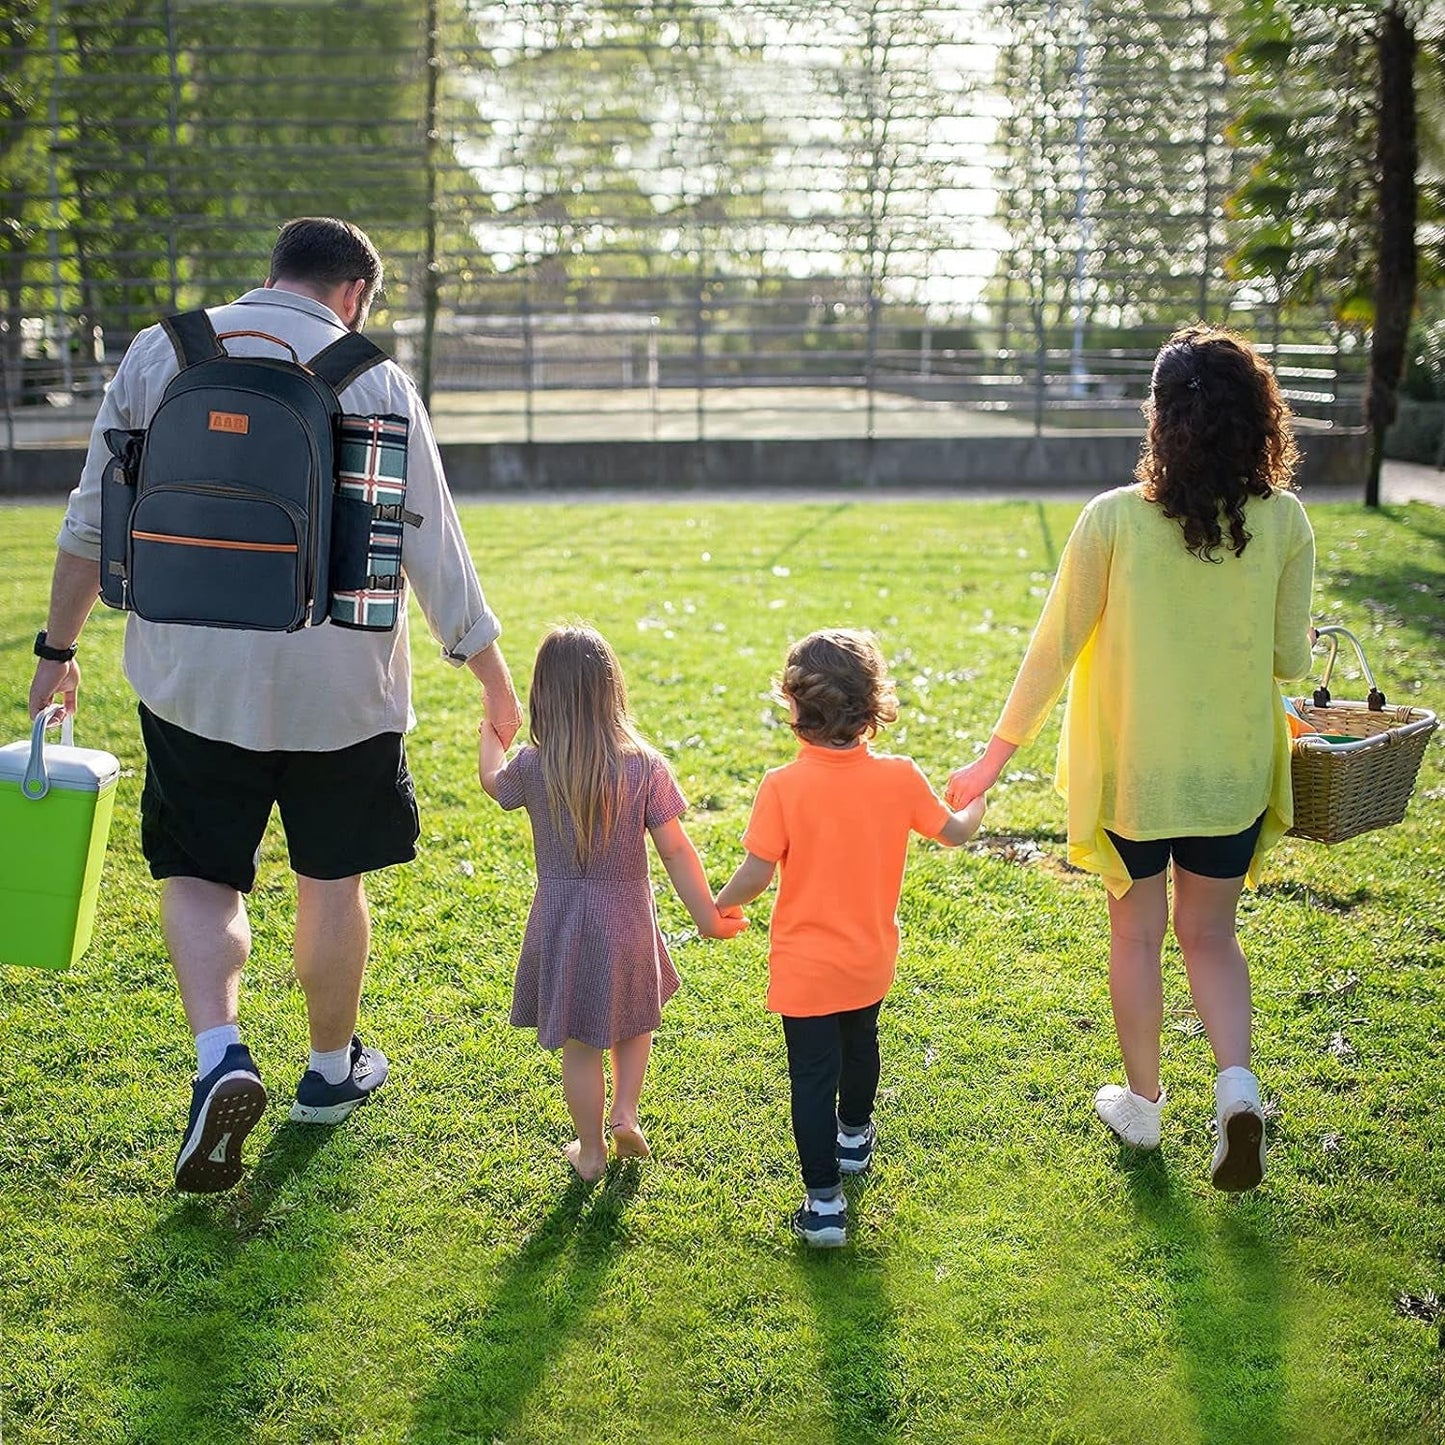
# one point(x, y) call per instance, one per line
point(326, 251)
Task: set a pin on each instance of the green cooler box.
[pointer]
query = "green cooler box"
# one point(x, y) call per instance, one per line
point(55, 807)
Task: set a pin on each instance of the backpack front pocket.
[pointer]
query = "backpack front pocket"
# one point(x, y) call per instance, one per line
point(208, 554)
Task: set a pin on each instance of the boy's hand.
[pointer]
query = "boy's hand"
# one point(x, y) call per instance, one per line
point(728, 924)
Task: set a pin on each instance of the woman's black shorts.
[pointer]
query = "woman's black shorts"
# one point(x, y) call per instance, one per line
point(1209, 857)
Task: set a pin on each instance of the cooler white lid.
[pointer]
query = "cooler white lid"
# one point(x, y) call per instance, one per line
point(79, 769)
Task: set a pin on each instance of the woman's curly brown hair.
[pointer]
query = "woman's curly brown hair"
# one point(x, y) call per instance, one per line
point(838, 681)
point(1219, 433)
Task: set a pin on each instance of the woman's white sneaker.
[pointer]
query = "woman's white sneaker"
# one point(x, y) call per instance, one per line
point(1239, 1152)
point(1135, 1120)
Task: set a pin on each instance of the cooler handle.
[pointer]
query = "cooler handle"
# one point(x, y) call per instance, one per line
point(36, 783)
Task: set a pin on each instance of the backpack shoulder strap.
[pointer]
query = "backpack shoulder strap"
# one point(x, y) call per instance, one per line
point(339, 364)
point(193, 337)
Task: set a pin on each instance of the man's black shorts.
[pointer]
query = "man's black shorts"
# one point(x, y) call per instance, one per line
point(205, 806)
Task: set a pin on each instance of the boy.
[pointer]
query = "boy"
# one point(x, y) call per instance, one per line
point(835, 823)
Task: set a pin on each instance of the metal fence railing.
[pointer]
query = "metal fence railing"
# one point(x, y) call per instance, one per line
point(858, 217)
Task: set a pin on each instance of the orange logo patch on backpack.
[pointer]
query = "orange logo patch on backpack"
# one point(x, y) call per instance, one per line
point(231, 421)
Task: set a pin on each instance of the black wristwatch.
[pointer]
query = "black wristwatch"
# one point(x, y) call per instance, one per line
point(52, 654)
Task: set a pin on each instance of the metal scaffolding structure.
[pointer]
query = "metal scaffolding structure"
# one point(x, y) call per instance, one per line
point(859, 217)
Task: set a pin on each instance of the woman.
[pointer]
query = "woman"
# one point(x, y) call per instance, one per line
point(1179, 605)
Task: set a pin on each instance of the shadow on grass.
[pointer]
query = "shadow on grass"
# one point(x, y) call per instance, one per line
point(209, 1289)
point(848, 1292)
point(540, 1298)
point(1222, 1276)
point(1398, 577)
point(1047, 537)
point(816, 525)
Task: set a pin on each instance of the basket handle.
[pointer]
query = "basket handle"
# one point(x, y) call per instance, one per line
point(1376, 699)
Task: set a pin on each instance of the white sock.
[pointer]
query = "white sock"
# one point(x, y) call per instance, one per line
point(334, 1065)
point(211, 1046)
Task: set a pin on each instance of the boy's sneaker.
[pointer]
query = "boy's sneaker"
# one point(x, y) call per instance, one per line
point(1239, 1153)
point(855, 1151)
point(822, 1223)
point(225, 1106)
point(1134, 1119)
point(318, 1102)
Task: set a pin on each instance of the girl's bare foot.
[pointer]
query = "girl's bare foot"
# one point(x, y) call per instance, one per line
point(630, 1142)
point(588, 1167)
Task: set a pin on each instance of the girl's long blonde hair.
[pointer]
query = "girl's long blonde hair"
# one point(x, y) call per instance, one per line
point(579, 723)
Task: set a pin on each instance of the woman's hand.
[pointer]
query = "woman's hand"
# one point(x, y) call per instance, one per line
point(978, 777)
point(969, 783)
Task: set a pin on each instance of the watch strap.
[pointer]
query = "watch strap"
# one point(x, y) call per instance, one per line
point(52, 654)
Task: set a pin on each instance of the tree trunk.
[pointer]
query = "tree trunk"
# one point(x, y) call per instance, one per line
point(1397, 156)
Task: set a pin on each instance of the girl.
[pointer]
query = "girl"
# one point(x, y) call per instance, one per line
point(835, 823)
point(594, 971)
point(1179, 605)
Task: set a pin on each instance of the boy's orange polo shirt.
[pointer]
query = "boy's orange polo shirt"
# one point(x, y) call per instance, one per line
point(836, 822)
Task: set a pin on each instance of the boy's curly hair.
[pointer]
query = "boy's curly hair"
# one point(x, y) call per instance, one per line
point(1219, 433)
point(838, 680)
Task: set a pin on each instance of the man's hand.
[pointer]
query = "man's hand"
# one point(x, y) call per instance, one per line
point(499, 697)
point(504, 711)
point(52, 680)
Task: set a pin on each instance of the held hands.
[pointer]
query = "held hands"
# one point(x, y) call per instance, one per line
point(502, 711)
point(726, 923)
point(969, 783)
point(52, 680)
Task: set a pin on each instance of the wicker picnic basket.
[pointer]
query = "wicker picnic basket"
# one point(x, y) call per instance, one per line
point(1345, 788)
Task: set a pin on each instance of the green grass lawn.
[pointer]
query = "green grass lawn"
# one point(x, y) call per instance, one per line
point(430, 1272)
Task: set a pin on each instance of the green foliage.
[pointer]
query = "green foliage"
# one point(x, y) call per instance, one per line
point(1112, 176)
point(1302, 120)
point(428, 1273)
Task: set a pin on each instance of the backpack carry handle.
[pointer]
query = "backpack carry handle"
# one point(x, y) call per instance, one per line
point(264, 336)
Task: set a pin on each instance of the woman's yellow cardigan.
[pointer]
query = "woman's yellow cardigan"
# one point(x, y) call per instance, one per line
point(1174, 725)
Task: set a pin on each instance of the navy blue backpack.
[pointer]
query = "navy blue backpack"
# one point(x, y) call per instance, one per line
point(251, 501)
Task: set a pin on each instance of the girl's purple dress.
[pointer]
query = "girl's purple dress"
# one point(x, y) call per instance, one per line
point(594, 966)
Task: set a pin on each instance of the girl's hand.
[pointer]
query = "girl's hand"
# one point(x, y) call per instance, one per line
point(491, 756)
point(728, 923)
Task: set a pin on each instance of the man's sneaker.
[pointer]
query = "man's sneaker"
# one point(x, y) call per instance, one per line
point(822, 1223)
point(225, 1106)
point(1135, 1120)
point(1239, 1153)
point(318, 1102)
point(855, 1151)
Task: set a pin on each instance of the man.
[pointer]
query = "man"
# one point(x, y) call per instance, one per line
point(312, 721)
